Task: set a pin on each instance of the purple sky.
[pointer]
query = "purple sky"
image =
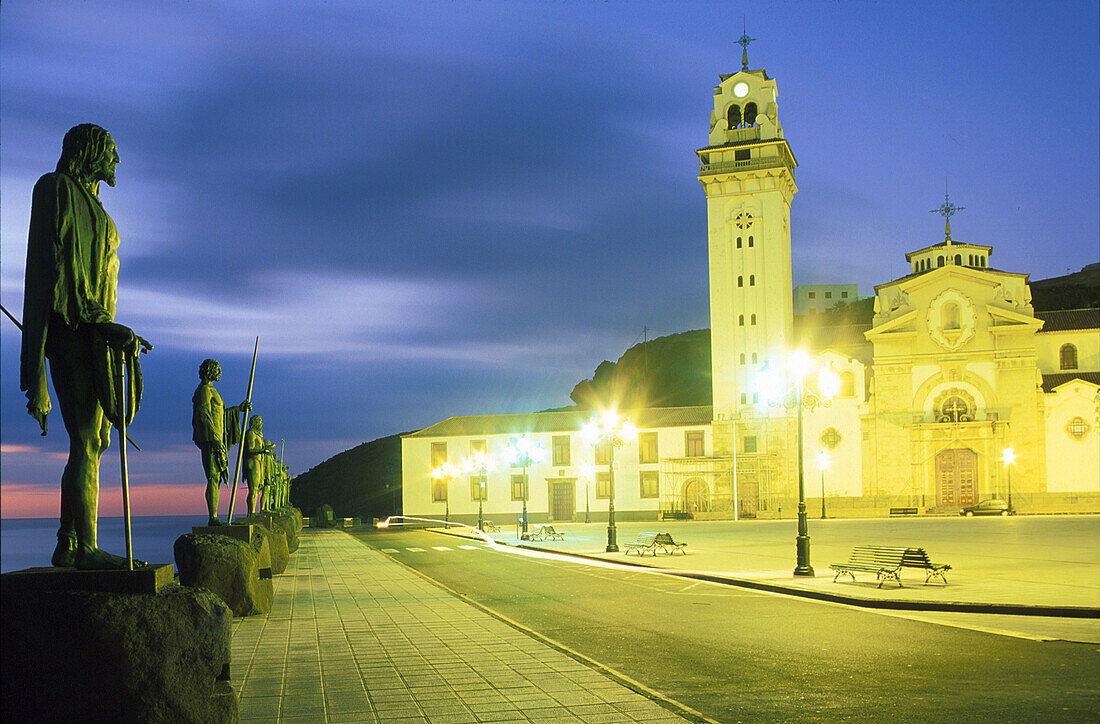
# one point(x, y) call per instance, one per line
point(439, 208)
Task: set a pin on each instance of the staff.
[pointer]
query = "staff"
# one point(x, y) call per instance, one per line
point(244, 427)
point(123, 413)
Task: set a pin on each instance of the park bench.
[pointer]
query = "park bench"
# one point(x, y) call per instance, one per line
point(918, 558)
point(664, 540)
point(489, 526)
point(546, 532)
point(642, 543)
point(903, 511)
point(882, 561)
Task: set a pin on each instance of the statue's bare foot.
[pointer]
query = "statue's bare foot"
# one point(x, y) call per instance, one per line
point(64, 555)
point(96, 559)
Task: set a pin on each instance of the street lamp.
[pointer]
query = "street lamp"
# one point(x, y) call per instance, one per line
point(774, 386)
point(588, 474)
point(523, 452)
point(608, 427)
point(823, 465)
point(480, 463)
point(1009, 457)
point(446, 472)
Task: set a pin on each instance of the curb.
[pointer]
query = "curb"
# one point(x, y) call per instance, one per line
point(1013, 609)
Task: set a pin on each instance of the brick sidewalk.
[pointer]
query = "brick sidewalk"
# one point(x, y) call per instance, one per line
point(355, 637)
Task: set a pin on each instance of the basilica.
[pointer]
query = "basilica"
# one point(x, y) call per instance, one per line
point(957, 391)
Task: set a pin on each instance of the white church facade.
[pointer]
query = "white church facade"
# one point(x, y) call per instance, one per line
point(955, 369)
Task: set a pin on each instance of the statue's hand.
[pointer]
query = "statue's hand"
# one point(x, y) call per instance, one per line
point(39, 414)
point(246, 406)
point(146, 346)
point(122, 339)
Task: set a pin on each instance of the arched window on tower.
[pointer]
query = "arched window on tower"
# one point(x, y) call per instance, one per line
point(750, 242)
point(949, 316)
point(752, 319)
point(740, 320)
point(754, 357)
point(939, 261)
point(742, 358)
point(733, 116)
point(1067, 357)
point(739, 242)
point(740, 281)
point(752, 280)
point(958, 260)
point(750, 115)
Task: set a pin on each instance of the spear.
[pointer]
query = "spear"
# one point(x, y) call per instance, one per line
point(20, 327)
point(120, 383)
point(244, 433)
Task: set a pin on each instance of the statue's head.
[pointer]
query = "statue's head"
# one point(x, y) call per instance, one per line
point(88, 153)
point(210, 370)
point(256, 423)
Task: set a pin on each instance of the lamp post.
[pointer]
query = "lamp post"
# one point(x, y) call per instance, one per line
point(588, 474)
point(776, 391)
point(823, 465)
point(523, 452)
point(1009, 457)
point(480, 463)
point(616, 433)
point(446, 472)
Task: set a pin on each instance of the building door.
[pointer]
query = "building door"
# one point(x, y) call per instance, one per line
point(955, 473)
point(562, 501)
point(748, 491)
point(696, 499)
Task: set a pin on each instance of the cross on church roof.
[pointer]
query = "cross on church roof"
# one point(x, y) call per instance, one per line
point(947, 210)
point(744, 41)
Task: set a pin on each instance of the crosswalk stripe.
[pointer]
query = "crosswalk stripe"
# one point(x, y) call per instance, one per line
point(441, 548)
point(389, 550)
point(469, 548)
point(416, 550)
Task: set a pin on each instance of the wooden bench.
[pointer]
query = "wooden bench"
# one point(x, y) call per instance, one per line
point(546, 532)
point(884, 562)
point(903, 511)
point(664, 540)
point(644, 542)
point(918, 558)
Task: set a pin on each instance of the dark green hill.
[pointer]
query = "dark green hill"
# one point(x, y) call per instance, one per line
point(1079, 290)
point(363, 482)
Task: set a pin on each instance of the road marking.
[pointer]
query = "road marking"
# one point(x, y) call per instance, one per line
point(470, 548)
point(388, 550)
point(441, 548)
point(416, 550)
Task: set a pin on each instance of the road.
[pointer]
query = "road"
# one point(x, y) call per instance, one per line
point(738, 655)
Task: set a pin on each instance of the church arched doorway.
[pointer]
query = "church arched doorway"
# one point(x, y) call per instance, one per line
point(696, 496)
point(956, 471)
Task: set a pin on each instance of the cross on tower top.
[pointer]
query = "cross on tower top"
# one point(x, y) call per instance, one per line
point(947, 210)
point(744, 41)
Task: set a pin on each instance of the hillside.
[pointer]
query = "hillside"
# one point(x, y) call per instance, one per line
point(363, 482)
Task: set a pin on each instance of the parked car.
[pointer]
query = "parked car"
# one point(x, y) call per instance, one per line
point(993, 506)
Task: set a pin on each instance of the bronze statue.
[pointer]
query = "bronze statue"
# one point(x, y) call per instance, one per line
point(215, 428)
point(257, 450)
point(68, 318)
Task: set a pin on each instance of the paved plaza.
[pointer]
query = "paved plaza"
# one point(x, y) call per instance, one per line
point(355, 637)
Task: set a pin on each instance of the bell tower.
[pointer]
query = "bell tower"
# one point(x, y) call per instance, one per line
point(748, 173)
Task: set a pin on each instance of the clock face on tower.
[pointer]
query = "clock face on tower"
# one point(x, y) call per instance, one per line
point(741, 89)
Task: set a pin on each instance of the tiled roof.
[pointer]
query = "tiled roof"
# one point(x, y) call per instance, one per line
point(567, 421)
point(1060, 378)
point(1067, 319)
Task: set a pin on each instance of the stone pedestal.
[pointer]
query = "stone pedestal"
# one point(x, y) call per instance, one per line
point(240, 531)
point(78, 655)
point(149, 579)
point(237, 571)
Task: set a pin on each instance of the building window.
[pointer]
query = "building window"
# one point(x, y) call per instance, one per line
point(954, 409)
point(477, 446)
point(749, 443)
point(439, 490)
point(744, 398)
point(750, 115)
point(830, 438)
point(602, 451)
point(740, 281)
point(1067, 357)
point(742, 154)
point(439, 454)
point(603, 486)
point(828, 295)
point(739, 242)
point(958, 260)
point(1077, 428)
point(844, 295)
point(754, 353)
point(647, 447)
point(847, 384)
point(812, 295)
point(750, 242)
point(519, 487)
point(561, 449)
point(649, 483)
point(939, 261)
point(752, 280)
point(740, 320)
point(752, 319)
point(756, 398)
point(742, 358)
point(733, 116)
point(478, 491)
point(694, 444)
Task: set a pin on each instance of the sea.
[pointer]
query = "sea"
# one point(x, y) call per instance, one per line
point(29, 542)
